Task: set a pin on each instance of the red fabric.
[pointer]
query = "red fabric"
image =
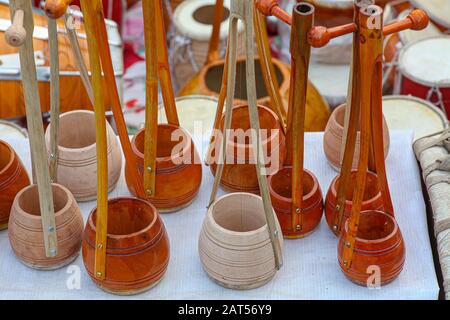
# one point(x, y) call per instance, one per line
point(130, 56)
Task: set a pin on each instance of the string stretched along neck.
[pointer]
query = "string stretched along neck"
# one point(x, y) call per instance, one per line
point(93, 9)
point(243, 10)
point(20, 34)
point(302, 22)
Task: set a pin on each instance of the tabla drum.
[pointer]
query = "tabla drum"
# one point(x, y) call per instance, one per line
point(424, 68)
point(193, 27)
point(406, 112)
point(11, 130)
point(438, 10)
point(73, 95)
point(196, 114)
point(395, 42)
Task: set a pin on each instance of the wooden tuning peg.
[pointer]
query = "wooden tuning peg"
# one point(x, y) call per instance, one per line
point(16, 34)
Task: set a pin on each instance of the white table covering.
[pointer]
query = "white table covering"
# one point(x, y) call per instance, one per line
point(310, 271)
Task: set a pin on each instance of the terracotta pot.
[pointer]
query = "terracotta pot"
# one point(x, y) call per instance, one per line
point(234, 243)
point(77, 154)
point(13, 178)
point(372, 198)
point(209, 80)
point(25, 228)
point(332, 139)
point(239, 173)
point(137, 253)
point(379, 244)
point(280, 187)
point(178, 176)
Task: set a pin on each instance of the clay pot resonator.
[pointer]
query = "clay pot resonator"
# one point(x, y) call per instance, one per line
point(77, 155)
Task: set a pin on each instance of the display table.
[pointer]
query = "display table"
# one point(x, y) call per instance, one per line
point(310, 268)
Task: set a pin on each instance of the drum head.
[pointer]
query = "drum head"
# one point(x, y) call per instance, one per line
point(438, 10)
point(196, 114)
point(405, 112)
point(194, 19)
point(427, 61)
point(11, 130)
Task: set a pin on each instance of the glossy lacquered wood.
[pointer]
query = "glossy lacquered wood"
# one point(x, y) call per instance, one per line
point(239, 172)
point(77, 157)
point(13, 178)
point(137, 250)
point(280, 188)
point(178, 168)
point(372, 199)
point(379, 250)
point(26, 234)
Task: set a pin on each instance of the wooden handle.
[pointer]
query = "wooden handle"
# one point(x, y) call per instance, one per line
point(271, 8)
point(321, 36)
point(16, 34)
point(151, 102)
point(416, 20)
point(92, 7)
point(55, 9)
point(213, 50)
point(302, 22)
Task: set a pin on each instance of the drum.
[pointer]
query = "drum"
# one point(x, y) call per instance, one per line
point(196, 114)
point(73, 95)
point(406, 112)
point(424, 67)
point(395, 42)
point(193, 27)
point(11, 130)
point(438, 10)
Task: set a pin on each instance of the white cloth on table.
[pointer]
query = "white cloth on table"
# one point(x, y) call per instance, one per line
point(310, 268)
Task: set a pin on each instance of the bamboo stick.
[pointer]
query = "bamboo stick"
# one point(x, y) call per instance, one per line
point(34, 119)
point(91, 9)
point(213, 49)
point(54, 97)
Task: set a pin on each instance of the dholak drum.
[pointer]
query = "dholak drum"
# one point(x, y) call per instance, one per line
point(424, 67)
point(438, 10)
point(196, 114)
point(395, 42)
point(193, 27)
point(11, 130)
point(406, 112)
point(72, 94)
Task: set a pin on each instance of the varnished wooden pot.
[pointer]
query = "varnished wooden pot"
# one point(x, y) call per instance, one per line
point(25, 228)
point(178, 175)
point(209, 80)
point(13, 178)
point(234, 244)
point(280, 187)
point(379, 244)
point(77, 154)
point(332, 139)
point(137, 252)
point(239, 172)
point(372, 198)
